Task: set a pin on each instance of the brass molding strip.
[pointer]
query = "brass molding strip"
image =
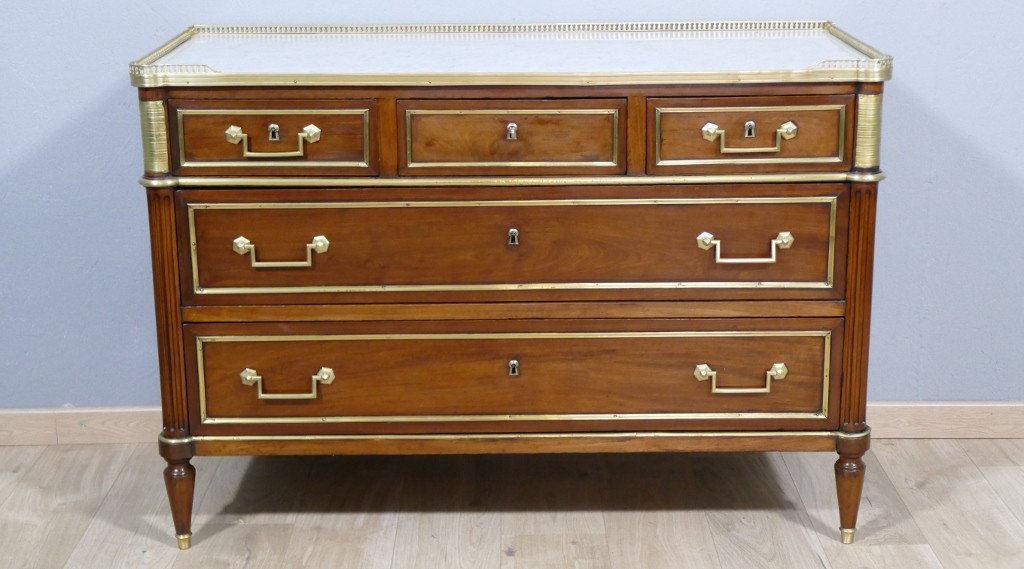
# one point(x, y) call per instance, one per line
point(364, 163)
point(840, 149)
point(844, 435)
point(174, 441)
point(869, 131)
point(866, 177)
point(829, 281)
point(826, 337)
point(168, 182)
point(147, 73)
point(155, 156)
point(410, 113)
point(523, 436)
point(509, 181)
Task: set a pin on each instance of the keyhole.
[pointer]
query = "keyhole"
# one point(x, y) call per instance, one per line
point(274, 132)
point(513, 236)
point(749, 129)
point(513, 368)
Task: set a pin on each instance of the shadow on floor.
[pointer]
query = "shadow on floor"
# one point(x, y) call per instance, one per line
point(514, 483)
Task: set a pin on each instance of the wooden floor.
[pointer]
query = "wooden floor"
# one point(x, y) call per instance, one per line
point(927, 503)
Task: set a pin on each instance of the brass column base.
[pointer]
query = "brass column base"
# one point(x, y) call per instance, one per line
point(185, 541)
point(848, 535)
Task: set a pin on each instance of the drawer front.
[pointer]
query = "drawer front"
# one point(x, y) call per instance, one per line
point(571, 136)
point(754, 243)
point(676, 375)
point(745, 134)
point(263, 138)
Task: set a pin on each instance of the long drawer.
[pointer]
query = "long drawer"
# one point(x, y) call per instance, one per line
point(596, 375)
point(755, 244)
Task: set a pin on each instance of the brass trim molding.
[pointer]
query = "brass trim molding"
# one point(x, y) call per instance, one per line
point(153, 117)
point(175, 441)
point(825, 335)
point(364, 163)
point(507, 181)
point(410, 163)
point(146, 72)
point(518, 436)
point(829, 281)
point(727, 160)
point(869, 131)
point(859, 435)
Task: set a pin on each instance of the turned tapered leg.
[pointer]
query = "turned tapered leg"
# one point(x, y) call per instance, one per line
point(850, 482)
point(180, 477)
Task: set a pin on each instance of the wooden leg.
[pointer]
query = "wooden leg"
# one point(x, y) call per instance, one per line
point(850, 482)
point(180, 477)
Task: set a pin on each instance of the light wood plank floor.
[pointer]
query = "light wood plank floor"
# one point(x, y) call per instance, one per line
point(927, 503)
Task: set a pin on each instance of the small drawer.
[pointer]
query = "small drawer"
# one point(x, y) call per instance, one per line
point(521, 136)
point(754, 245)
point(678, 373)
point(275, 138)
point(744, 134)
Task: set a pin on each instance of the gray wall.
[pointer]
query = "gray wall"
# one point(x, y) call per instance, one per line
point(75, 292)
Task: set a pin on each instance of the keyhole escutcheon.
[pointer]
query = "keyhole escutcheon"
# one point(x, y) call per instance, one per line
point(749, 129)
point(513, 368)
point(274, 132)
point(513, 236)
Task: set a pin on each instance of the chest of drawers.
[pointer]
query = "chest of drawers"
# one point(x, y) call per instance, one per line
point(512, 239)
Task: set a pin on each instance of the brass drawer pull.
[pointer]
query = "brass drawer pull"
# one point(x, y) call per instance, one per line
point(787, 131)
point(784, 240)
point(703, 372)
point(243, 246)
point(250, 377)
point(310, 133)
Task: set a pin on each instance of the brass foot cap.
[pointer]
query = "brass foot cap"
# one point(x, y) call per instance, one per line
point(847, 535)
point(185, 541)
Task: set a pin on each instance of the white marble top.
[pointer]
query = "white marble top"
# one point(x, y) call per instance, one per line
point(521, 54)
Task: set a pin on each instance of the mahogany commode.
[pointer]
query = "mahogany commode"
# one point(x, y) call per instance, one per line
point(641, 237)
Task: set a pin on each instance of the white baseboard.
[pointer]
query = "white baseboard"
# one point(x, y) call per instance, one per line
point(888, 420)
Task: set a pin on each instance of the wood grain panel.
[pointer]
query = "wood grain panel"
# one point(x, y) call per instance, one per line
point(347, 144)
point(577, 383)
point(460, 137)
point(513, 311)
point(823, 140)
point(163, 247)
point(467, 243)
point(470, 376)
point(571, 442)
point(858, 305)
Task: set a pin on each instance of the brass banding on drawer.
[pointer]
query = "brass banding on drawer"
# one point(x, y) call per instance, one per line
point(739, 135)
point(479, 137)
point(483, 253)
point(274, 137)
point(611, 376)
